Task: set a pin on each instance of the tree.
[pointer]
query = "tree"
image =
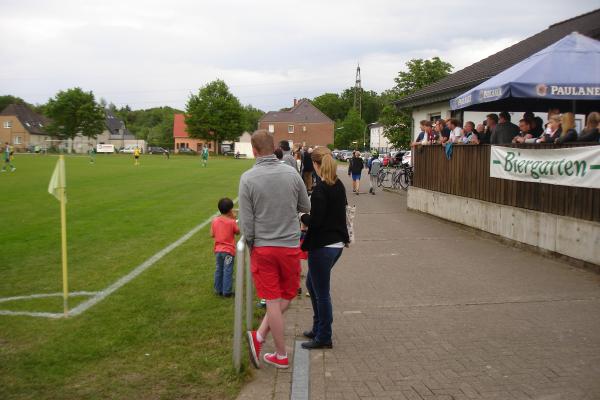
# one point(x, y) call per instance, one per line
point(250, 117)
point(155, 125)
point(74, 112)
point(421, 73)
point(9, 99)
point(331, 105)
point(214, 114)
point(351, 130)
point(370, 103)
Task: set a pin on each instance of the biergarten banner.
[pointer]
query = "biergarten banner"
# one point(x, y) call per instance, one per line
point(574, 166)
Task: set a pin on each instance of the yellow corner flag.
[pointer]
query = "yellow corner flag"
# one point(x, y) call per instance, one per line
point(58, 182)
point(57, 188)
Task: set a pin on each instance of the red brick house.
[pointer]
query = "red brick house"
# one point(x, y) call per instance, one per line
point(183, 140)
point(303, 124)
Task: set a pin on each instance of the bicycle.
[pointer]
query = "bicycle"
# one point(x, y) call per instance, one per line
point(405, 176)
point(384, 177)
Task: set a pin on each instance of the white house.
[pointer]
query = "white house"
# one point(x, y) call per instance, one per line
point(377, 139)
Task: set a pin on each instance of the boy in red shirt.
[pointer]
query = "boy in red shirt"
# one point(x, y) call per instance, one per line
point(223, 229)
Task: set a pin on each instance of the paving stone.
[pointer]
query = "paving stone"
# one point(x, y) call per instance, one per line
point(424, 309)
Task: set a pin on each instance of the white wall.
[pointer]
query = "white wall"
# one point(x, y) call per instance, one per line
point(243, 148)
point(377, 139)
point(573, 237)
point(425, 112)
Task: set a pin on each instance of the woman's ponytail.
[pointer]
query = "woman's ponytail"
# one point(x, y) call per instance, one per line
point(323, 158)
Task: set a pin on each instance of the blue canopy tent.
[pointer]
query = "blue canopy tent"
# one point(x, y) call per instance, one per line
point(564, 75)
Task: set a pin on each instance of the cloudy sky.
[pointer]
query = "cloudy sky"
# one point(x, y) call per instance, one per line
point(150, 53)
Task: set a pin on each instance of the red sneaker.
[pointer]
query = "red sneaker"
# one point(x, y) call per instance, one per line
point(254, 347)
point(271, 358)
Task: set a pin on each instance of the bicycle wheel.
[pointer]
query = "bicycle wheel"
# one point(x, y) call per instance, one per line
point(380, 176)
point(404, 180)
point(396, 179)
point(387, 180)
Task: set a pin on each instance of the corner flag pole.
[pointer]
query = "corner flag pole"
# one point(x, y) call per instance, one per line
point(57, 188)
point(63, 235)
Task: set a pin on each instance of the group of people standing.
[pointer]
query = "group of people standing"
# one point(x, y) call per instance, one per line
point(274, 206)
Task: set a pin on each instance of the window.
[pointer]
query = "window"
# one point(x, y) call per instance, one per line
point(17, 140)
point(271, 128)
point(290, 128)
point(435, 117)
point(304, 128)
point(8, 124)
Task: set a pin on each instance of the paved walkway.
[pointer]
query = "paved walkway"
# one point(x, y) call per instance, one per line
point(424, 309)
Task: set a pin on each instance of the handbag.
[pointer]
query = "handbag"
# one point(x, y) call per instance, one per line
point(350, 213)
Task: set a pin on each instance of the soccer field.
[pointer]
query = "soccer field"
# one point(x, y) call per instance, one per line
point(163, 334)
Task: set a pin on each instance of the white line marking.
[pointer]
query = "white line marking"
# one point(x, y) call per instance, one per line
point(104, 293)
point(32, 314)
point(43, 295)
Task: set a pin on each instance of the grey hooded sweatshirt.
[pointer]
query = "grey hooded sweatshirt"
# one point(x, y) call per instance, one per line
point(271, 195)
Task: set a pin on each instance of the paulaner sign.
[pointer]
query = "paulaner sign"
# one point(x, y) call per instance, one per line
point(575, 166)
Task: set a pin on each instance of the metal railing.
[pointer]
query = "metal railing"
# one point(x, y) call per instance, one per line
point(242, 269)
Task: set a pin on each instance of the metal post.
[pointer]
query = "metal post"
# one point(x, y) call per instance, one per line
point(237, 320)
point(249, 292)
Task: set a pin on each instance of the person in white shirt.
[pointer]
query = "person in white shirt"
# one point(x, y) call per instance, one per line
point(456, 131)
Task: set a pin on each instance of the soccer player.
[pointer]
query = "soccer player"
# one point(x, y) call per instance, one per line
point(92, 154)
point(136, 155)
point(8, 155)
point(204, 156)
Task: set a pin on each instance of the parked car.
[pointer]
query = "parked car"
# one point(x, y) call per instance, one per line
point(335, 154)
point(345, 155)
point(186, 150)
point(156, 150)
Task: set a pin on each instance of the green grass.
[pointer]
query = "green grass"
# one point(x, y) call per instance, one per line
point(163, 335)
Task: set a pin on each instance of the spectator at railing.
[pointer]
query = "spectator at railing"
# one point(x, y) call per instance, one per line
point(590, 133)
point(430, 136)
point(470, 135)
point(491, 121)
point(536, 123)
point(456, 131)
point(524, 131)
point(421, 135)
point(482, 136)
point(568, 134)
point(441, 131)
point(553, 130)
point(505, 131)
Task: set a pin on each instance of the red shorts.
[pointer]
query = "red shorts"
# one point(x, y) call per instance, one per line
point(276, 272)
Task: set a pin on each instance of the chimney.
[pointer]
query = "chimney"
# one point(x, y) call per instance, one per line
point(295, 102)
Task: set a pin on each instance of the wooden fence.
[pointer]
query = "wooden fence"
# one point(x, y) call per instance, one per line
point(467, 174)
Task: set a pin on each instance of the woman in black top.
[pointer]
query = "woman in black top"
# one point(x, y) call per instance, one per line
point(325, 239)
point(568, 133)
point(355, 167)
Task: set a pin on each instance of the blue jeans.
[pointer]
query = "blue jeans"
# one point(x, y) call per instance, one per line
point(320, 263)
point(223, 273)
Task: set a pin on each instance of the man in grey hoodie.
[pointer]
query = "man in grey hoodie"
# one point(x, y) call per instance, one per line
point(288, 158)
point(271, 195)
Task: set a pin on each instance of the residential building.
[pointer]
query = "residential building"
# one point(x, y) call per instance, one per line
point(303, 124)
point(378, 141)
point(433, 101)
point(183, 140)
point(22, 127)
